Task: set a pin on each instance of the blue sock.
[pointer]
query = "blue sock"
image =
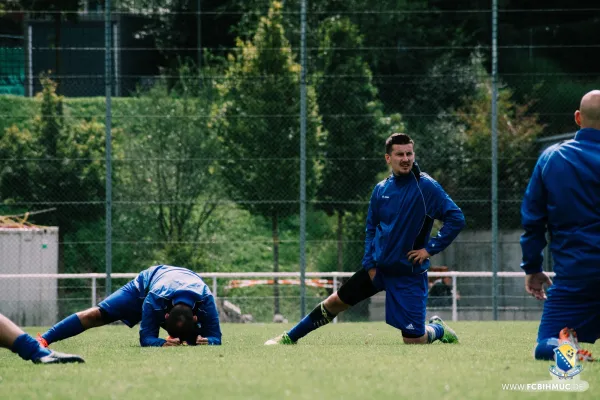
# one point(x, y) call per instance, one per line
point(28, 348)
point(66, 328)
point(318, 317)
point(545, 349)
point(434, 332)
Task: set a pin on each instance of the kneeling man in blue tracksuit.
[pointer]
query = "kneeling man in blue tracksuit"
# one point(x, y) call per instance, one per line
point(563, 197)
point(397, 250)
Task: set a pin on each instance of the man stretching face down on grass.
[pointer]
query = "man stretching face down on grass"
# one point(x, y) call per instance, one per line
point(173, 298)
point(397, 251)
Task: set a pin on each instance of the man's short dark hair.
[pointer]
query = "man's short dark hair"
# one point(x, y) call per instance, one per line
point(180, 323)
point(397, 138)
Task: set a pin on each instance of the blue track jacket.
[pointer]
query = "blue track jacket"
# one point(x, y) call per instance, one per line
point(563, 196)
point(163, 286)
point(400, 219)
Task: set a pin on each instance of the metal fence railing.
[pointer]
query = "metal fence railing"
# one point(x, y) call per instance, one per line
point(460, 302)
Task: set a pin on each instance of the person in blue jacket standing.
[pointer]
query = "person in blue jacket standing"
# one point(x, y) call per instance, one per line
point(563, 197)
point(173, 298)
point(397, 250)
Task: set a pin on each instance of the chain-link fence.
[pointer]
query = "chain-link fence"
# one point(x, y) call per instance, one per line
point(206, 134)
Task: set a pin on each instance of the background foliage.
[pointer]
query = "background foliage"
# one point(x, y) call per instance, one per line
point(206, 123)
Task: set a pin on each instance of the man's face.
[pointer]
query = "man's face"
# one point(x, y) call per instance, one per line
point(401, 158)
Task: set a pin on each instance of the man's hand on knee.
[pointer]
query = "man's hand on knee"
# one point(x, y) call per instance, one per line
point(372, 272)
point(534, 284)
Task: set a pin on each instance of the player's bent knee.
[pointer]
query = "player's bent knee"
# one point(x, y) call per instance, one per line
point(93, 317)
point(338, 300)
point(411, 338)
point(334, 304)
point(105, 317)
point(334, 300)
point(415, 340)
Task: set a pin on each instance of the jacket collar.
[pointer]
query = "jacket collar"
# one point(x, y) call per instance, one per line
point(588, 134)
point(401, 178)
point(416, 171)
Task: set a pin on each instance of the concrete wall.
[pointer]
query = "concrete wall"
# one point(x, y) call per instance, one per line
point(472, 251)
point(29, 302)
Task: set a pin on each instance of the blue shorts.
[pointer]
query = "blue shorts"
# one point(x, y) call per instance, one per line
point(405, 302)
point(125, 304)
point(573, 308)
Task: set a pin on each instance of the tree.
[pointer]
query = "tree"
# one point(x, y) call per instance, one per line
point(58, 164)
point(171, 25)
point(354, 121)
point(401, 38)
point(436, 142)
point(183, 30)
point(172, 152)
point(260, 130)
point(463, 160)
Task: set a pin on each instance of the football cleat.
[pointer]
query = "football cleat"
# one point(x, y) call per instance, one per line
point(43, 342)
point(281, 339)
point(59, 358)
point(449, 335)
point(569, 335)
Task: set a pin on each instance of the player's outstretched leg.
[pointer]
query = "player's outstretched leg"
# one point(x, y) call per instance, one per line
point(355, 290)
point(64, 329)
point(73, 325)
point(29, 349)
point(446, 336)
point(317, 318)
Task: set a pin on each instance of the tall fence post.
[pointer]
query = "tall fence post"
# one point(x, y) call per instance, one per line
point(94, 292)
point(29, 55)
point(214, 287)
point(495, 159)
point(454, 299)
point(199, 34)
point(116, 50)
point(302, 158)
point(108, 145)
point(335, 286)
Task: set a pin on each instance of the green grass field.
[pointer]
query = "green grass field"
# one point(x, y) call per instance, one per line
point(346, 360)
